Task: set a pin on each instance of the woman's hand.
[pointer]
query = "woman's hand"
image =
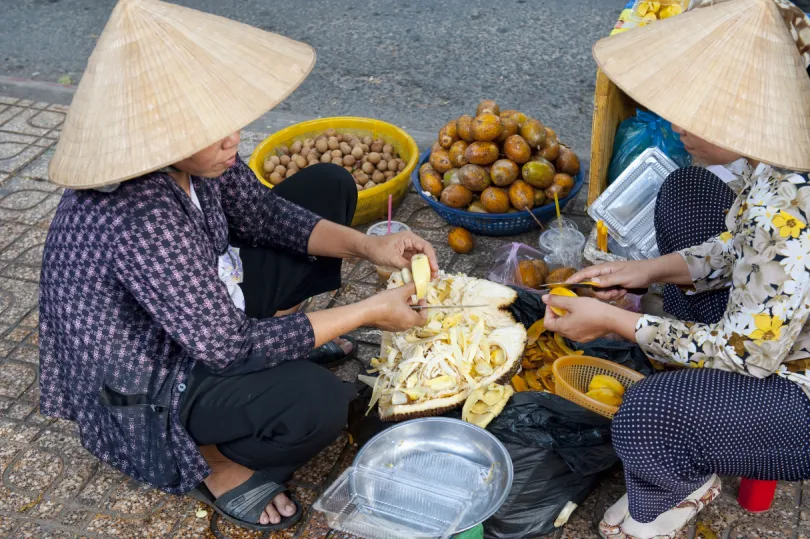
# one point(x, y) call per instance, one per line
point(620, 276)
point(587, 319)
point(391, 310)
point(396, 250)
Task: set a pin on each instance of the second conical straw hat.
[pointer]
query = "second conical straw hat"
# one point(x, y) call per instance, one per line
point(164, 82)
point(729, 73)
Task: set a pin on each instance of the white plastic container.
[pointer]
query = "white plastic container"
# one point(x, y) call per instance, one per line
point(628, 206)
point(381, 229)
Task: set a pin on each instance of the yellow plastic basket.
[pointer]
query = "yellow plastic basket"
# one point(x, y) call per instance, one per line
point(372, 204)
point(572, 374)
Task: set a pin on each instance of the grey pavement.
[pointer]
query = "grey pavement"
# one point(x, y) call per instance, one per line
point(415, 63)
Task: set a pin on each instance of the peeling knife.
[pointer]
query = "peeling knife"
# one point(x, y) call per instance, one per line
point(424, 307)
point(588, 285)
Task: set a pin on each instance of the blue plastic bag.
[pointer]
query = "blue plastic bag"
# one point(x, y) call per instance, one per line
point(642, 131)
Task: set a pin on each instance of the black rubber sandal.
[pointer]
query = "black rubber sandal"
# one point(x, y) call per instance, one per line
point(244, 504)
point(331, 354)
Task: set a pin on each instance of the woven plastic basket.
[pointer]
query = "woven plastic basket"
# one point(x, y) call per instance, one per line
point(372, 204)
point(493, 224)
point(572, 374)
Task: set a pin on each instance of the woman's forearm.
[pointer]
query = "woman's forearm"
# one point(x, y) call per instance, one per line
point(669, 269)
point(332, 323)
point(335, 241)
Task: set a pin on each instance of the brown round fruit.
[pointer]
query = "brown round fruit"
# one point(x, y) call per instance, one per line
point(482, 153)
point(495, 200)
point(440, 161)
point(431, 181)
point(436, 146)
point(560, 275)
point(504, 172)
point(510, 127)
point(539, 174)
point(448, 135)
point(488, 106)
point(518, 117)
point(456, 196)
point(464, 128)
point(457, 157)
point(529, 275)
point(555, 189)
point(568, 162)
point(486, 127)
point(517, 149)
point(460, 240)
point(564, 180)
point(550, 149)
point(521, 195)
point(474, 177)
point(534, 132)
point(349, 160)
point(268, 166)
point(542, 268)
point(539, 198)
point(276, 178)
point(374, 158)
point(377, 177)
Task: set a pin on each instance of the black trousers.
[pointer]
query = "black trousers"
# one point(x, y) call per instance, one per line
point(278, 419)
point(691, 208)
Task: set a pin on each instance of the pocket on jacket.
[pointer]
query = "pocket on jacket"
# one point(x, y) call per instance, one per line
point(141, 434)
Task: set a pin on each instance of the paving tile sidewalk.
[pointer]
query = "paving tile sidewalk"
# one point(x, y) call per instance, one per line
point(51, 487)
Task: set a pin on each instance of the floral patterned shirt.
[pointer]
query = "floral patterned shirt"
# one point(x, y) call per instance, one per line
point(764, 258)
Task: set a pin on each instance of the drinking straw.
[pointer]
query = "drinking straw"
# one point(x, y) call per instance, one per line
point(559, 217)
point(390, 203)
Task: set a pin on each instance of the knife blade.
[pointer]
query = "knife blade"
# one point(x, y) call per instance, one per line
point(424, 307)
point(589, 285)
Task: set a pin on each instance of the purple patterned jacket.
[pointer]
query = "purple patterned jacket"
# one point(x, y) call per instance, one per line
point(130, 299)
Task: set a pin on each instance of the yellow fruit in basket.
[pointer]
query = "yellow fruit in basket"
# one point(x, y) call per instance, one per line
point(649, 17)
point(457, 151)
point(539, 173)
point(486, 127)
point(646, 8)
point(464, 128)
point(560, 291)
point(604, 381)
point(482, 153)
point(534, 132)
point(605, 396)
point(440, 161)
point(495, 200)
point(670, 11)
point(448, 135)
point(488, 106)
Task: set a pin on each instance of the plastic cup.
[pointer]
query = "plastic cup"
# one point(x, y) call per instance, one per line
point(756, 496)
point(381, 229)
point(564, 248)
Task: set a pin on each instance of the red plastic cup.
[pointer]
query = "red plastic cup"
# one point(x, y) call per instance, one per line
point(756, 496)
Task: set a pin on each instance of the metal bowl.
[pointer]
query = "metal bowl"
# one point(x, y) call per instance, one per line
point(448, 453)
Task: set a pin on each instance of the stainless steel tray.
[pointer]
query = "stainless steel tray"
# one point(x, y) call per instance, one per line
point(628, 206)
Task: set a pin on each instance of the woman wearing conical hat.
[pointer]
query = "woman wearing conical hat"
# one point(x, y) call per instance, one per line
point(170, 329)
point(732, 77)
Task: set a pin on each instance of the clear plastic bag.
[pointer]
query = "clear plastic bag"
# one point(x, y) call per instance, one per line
point(505, 268)
point(640, 132)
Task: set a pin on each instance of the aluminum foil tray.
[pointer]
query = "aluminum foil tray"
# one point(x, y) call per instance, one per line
point(628, 206)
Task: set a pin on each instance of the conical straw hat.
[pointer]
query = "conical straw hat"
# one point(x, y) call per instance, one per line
point(164, 82)
point(730, 73)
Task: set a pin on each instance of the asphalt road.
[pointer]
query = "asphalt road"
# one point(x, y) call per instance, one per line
point(416, 63)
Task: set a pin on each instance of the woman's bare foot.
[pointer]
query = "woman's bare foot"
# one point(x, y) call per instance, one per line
point(227, 475)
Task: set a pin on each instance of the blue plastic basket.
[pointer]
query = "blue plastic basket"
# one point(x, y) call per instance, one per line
point(493, 224)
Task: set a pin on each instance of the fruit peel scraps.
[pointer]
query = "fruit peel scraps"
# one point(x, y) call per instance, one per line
point(428, 370)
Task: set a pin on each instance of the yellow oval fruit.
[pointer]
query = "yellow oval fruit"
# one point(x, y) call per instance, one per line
point(560, 291)
point(603, 381)
point(605, 396)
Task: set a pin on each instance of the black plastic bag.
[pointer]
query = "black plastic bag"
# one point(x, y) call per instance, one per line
point(558, 451)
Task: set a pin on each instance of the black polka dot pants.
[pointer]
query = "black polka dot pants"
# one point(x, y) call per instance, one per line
point(675, 429)
point(691, 208)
